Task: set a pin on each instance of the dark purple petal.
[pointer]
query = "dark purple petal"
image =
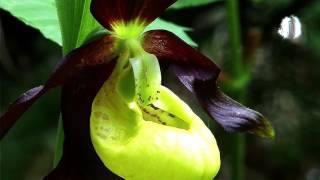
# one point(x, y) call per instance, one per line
point(107, 12)
point(231, 115)
point(79, 160)
point(97, 52)
point(18, 108)
point(199, 74)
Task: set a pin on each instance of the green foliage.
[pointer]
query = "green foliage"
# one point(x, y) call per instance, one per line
point(191, 3)
point(311, 16)
point(39, 14)
point(76, 22)
point(75, 19)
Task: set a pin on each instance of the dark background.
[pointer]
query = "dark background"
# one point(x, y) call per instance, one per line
point(285, 87)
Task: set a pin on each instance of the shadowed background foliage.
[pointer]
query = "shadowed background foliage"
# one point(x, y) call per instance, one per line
point(285, 87)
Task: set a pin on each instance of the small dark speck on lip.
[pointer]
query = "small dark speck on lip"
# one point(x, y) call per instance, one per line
point(172, 115)
point(154, 107)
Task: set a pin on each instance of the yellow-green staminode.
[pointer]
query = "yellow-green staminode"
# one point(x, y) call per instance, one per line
point(164, 140)
point(145, 67)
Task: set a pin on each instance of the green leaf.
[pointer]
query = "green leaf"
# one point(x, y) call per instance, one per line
point(191, 3)
point(180, 31)
point(39, 14)
point(76, 22)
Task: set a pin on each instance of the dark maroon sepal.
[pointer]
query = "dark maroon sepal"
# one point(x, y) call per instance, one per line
point(97, 52)
point(79, 160)
point(108, 12)
point(170, 49)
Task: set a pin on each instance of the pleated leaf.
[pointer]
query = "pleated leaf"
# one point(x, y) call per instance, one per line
point(76, 22)
point(191, 3)
point(39, 14)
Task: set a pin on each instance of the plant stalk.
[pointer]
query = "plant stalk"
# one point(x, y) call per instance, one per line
point(59, 143)
point(60, 133)
point(238, 70)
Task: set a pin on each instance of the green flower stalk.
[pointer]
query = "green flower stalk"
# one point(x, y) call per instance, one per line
point(119, 120)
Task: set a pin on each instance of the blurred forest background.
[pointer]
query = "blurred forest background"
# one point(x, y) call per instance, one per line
point(285, 87)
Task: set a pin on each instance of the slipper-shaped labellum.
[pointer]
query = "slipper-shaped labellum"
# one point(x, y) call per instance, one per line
point(159, 140)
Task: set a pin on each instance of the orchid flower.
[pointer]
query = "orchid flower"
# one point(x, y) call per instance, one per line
point(118, 118)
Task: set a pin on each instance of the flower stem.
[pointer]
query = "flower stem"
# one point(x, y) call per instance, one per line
point(238, 70)
point(238, 157)
point(59, 143)
point(235, 37)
